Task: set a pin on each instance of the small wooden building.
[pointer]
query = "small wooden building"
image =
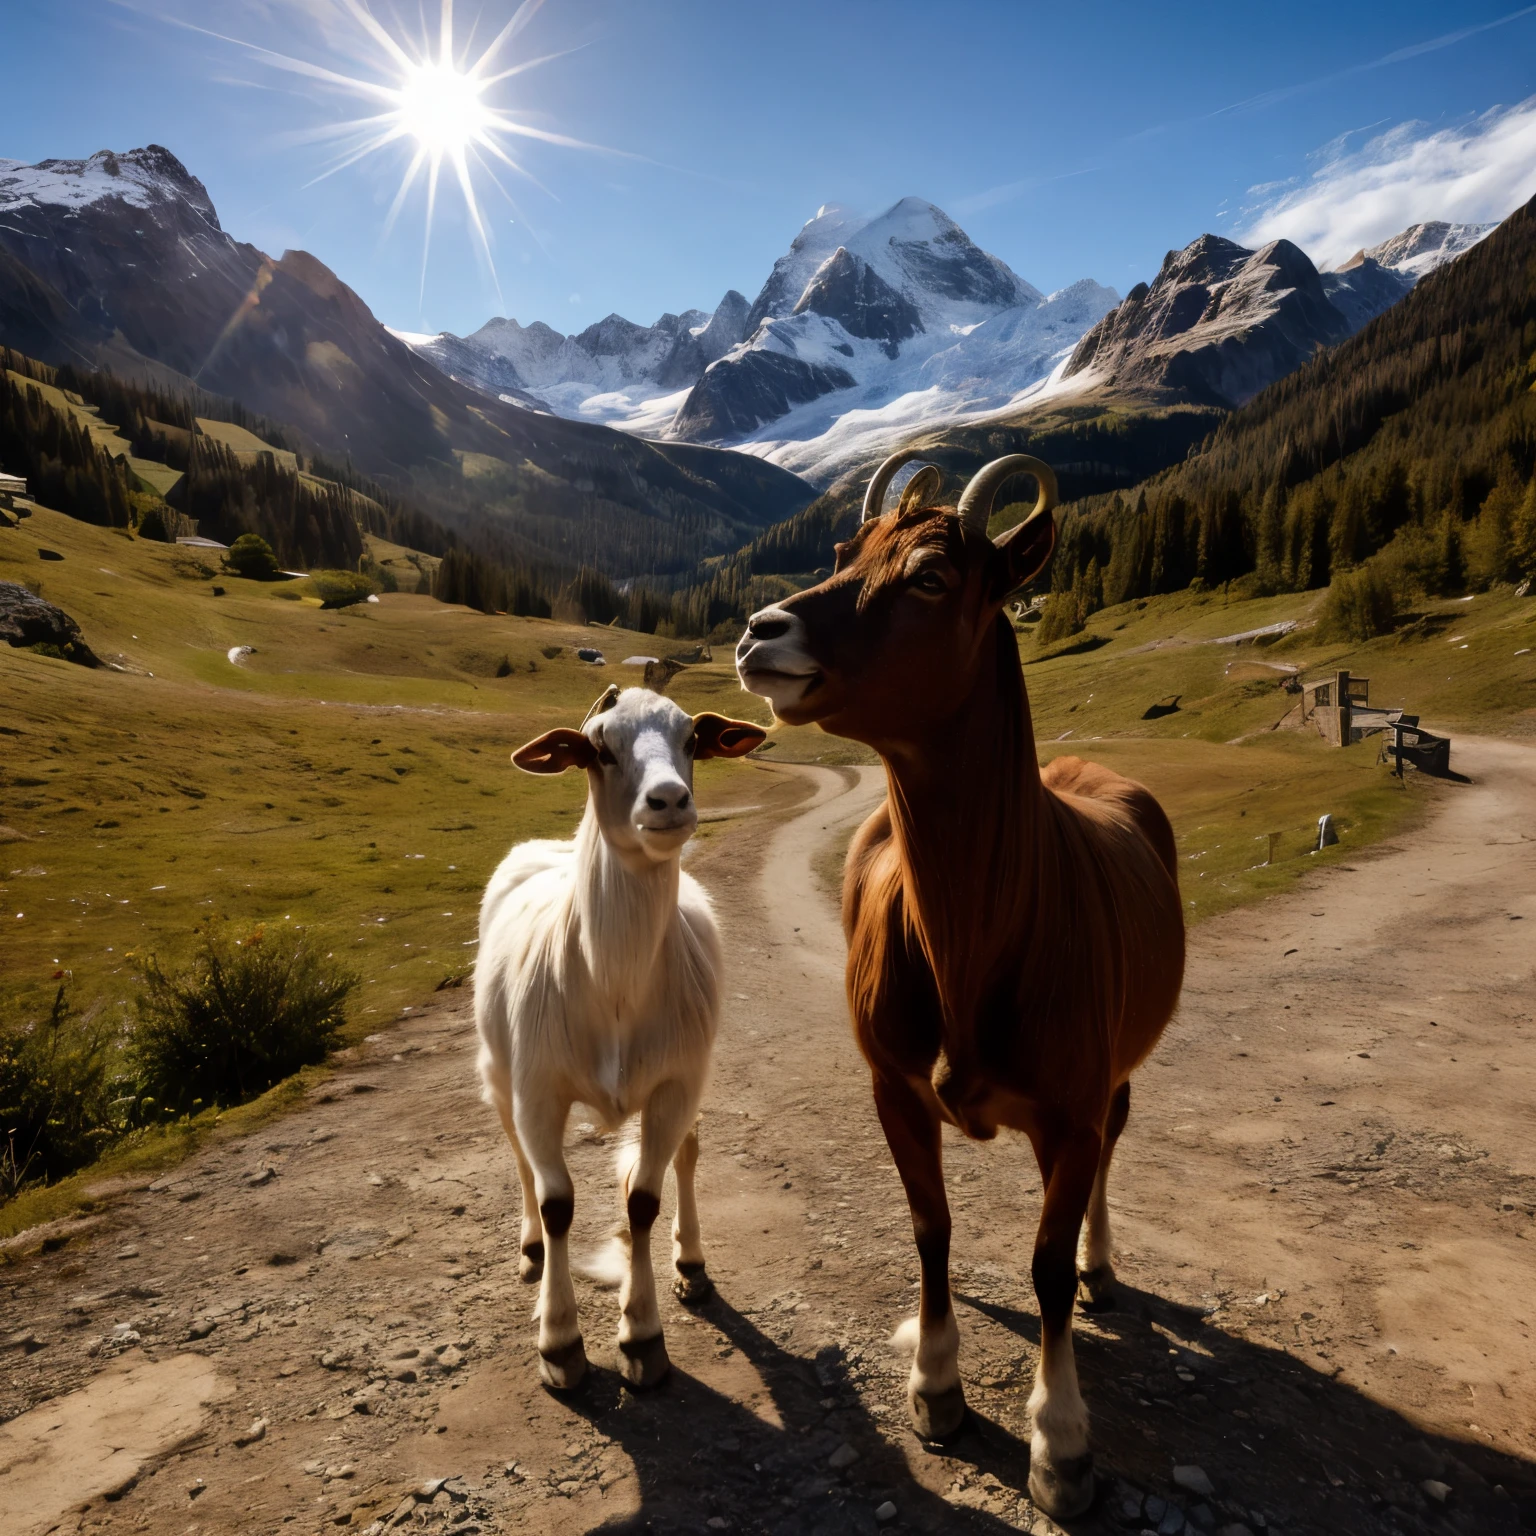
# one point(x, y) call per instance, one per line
point(11, 486)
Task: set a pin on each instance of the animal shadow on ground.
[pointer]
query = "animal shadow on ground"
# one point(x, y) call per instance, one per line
point(699, 1455)
point(1285, 1448)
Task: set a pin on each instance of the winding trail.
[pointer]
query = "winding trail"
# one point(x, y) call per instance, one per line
point(1324, 1208)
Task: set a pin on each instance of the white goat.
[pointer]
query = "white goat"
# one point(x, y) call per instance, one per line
point(598, 983)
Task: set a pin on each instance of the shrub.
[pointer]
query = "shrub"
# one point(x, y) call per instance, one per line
point(340, 589)
point(152, 526)
point(55, 1096)
point(1359, 606)
point(251, 556)
point(240, 1017)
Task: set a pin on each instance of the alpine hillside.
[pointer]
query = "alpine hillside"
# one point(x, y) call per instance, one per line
point(120, 262)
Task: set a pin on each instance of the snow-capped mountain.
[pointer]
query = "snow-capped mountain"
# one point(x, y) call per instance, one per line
point(1419, 249)
point(862, 324)
point(609, 372)
point(119, 261)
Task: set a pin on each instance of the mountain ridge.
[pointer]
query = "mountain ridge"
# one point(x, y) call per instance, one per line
point(132, 266)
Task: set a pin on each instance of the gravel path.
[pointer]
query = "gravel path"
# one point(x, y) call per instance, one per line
point(1324, 1209)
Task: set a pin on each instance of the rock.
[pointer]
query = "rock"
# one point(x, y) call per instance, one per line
point(1203, 1516)
point(1237, 1528)
point(1193, 1480)
point(1154, 1509)
point(450, 1357)
point(1172, 1523)
point(718, 1523)
point(340, 1473)
point(1126, 1504)
point(843, 1456)
point(885, 1513)
point(313, 1468)
point(262, 1175)
point(202, 1328)
point(429, 1488)
point(402, 1372)
point(127, 1253)
point(1419, 1460)
point(257, 1431)
point(26, 1341)
point(456, 1489)
point(1435, 1491)
point(27, 620)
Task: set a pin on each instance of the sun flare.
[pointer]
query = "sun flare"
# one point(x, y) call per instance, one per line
point(436, 103)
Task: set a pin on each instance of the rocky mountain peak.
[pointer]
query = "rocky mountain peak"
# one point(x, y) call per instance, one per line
point(1421, 248)
point(139, 178)
point(847, 289)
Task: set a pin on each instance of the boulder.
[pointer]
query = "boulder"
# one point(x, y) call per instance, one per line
point(27, 620)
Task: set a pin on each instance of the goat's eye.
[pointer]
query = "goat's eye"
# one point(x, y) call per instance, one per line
point(691, 745)
point(930, 581)
point(606, 758)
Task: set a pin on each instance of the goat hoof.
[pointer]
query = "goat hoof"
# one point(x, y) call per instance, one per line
point(1061, 1489)
point(692, 1285)
point(1096, 1289)
point(643, 1362)
point(530, 1267)
point(937, 1415)
point(563, 1368)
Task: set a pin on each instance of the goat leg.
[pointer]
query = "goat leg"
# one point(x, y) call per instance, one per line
point(1060, 1462)
point(1095, 1267)
point(935, 1397)
point(692, 1284)
point(541, 1128)
point(665, 1120)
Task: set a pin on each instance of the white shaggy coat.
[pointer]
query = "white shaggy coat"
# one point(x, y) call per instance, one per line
point(598, 982)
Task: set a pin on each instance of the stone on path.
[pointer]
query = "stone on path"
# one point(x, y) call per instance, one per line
point(1193, 1480)
point(85, 1445)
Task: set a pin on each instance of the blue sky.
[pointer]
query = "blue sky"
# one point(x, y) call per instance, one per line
point(1071, 140)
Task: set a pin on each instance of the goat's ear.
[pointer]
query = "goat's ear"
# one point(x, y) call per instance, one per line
point(1025, 551)
point(555, 751)
point(715, 736)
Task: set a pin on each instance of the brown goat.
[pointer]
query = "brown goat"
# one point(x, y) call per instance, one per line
point(1015, 939)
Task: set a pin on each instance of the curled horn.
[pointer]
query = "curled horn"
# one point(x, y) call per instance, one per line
point(975, 507)
point(880, 483)
point(604, 702)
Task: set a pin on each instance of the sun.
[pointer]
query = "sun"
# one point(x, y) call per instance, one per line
point(443, 109)
point(436, 103)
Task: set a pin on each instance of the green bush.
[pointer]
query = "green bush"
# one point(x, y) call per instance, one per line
point(251, 556)
point(55, 1096)
point(1358, 607)
point(340, 589)
point(152, 526)
point(242, 1015)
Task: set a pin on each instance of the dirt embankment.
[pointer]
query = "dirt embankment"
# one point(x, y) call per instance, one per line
point(1324, 1211)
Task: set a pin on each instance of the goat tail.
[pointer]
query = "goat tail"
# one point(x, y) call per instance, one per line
point(904, 1340)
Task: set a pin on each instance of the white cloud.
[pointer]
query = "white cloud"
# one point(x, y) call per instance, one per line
point(1472, 173)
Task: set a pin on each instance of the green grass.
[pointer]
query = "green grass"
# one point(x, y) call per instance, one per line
point(352, 776)
point(244, 444)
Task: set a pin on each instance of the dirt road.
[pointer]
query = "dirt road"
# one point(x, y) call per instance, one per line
point(1325, 1230)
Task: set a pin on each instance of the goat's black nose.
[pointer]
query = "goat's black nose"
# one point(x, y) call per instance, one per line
point(767, 625)
point(661, 803)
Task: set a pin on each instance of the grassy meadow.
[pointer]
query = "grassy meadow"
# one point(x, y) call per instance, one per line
point(352, 774)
